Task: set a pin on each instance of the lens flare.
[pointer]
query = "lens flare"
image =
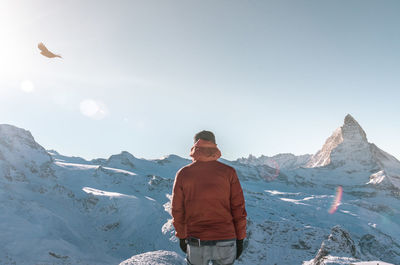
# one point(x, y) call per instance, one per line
point(338, 199)
point(93, 109)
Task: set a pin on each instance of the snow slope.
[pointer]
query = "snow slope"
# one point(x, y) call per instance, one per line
point(56, 209)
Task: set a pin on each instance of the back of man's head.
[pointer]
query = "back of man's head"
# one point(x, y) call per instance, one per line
point(205, 135)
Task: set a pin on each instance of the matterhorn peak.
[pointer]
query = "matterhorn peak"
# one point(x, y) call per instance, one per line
point(348, 147)
point(349, 119)
point(352, 131)
point(348, 142)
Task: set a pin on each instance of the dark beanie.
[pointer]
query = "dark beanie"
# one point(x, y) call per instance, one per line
point(205, 135)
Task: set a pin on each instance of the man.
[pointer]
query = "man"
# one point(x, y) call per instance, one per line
point(208, 207)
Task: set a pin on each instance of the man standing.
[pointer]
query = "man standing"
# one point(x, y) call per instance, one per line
point(208, 207)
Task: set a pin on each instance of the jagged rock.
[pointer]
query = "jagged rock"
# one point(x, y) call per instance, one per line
point(383, 247)
point(338, 244)
point(157, 181)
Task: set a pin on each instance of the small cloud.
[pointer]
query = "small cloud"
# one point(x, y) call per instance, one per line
point(27, 86)
point(94, 109)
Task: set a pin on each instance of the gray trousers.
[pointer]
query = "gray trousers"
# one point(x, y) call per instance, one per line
point(223, 253)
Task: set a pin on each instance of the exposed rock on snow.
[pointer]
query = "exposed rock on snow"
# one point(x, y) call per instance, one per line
point(339, 244)
point(20, 156)
point(159, 257)
point(379, 246)
point(380, 178)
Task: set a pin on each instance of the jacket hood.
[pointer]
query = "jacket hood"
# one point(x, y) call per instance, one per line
point(204, 150)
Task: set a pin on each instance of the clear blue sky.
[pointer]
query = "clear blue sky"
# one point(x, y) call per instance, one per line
point(144, 76)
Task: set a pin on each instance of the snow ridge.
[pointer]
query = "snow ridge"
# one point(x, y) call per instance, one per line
point(284, 161)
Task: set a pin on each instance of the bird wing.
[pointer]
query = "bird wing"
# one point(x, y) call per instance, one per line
point(42, 47)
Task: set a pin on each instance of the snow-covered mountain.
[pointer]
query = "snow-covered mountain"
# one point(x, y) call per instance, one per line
point(347, 145)
point(284, 161)
point(348, 148)
point(56, 209)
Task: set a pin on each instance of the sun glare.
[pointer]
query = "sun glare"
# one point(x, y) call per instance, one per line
point(93, 109)
point(27, 86)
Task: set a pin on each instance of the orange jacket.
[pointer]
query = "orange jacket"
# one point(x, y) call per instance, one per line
point(208, 202)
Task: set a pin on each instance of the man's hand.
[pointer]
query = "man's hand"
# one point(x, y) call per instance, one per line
point(239, 248)
point(182, 244)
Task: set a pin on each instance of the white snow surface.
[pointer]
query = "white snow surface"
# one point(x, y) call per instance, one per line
point(56, 209)
point(158, 257)
point(375, 262)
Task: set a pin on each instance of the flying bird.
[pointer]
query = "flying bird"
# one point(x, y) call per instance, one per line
point(46, 52)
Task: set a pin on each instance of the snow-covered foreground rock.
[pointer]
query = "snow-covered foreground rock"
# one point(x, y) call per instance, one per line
point(155, 258)
point(371, 263)
point(56, 209)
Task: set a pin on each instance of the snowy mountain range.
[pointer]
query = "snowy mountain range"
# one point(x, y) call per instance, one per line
point(284, 161)
point(56, 209)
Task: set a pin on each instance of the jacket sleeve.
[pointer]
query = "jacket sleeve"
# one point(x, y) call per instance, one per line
point(178, 207)
point(238, 209)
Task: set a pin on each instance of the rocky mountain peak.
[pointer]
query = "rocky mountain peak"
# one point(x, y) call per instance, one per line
point(348, 142)
point(8, 132)
point(20, 155)
point(17, 141)
point(350, 120)
point(124, 158)
point(349, 148)
point(352, 131)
